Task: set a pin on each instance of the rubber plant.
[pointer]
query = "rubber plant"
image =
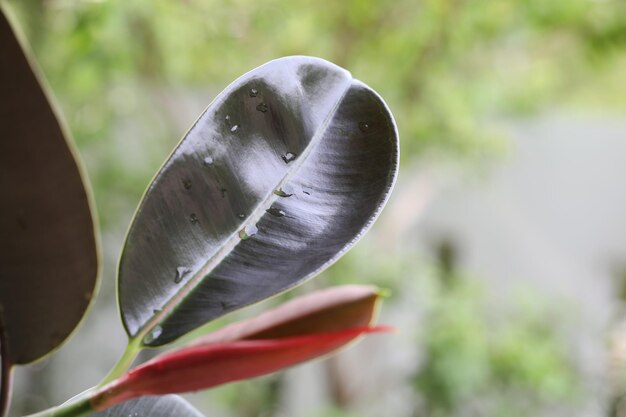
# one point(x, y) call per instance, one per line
point(281, 174)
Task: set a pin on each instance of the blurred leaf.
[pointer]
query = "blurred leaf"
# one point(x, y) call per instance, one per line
point(6, 381)
point(48, 251)
point(284, 171)
point(163, 406)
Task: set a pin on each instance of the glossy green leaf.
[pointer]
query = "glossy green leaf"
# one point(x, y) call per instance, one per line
point(48, 256)
point(281, 174)
point(163, 406)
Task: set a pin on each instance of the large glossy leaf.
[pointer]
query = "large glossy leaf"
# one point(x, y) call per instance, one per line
point(282, 173)
point(48, 257)
point(164, 406)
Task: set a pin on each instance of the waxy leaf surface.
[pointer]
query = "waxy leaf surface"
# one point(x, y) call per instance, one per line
point(281, 174)
point(48, 256)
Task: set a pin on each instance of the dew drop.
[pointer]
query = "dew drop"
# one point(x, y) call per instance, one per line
point(363, 126)
point(227, 118)
point(248, 232)
point(275, 212)
point(234, 128)
point(228, 305)
point(153, 335)
point(289, 157)
point(262, 107)
point(181, 271)
point(241, 215)
point(187, 184)
point(254, 92)
point(193, 218)
point(207, 161)
point(281, 193)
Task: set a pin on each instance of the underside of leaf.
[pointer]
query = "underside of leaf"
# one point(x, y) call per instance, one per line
point(162, 406)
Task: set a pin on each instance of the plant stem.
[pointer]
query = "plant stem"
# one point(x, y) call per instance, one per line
point(77, 408)
point(125, 361)
point(80, 405)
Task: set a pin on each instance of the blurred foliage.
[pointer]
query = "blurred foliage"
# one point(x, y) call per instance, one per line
point(447, 68)
point(132, 76)
point(478, 359)
point(475, 367)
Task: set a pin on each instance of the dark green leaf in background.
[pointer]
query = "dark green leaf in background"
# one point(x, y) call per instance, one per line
point(48, 250)
point(280, 176)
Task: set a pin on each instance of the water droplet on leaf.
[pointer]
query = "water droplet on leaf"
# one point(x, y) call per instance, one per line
point(234, 128)
point(363, 126)
point(187, 184)
point(262, 107)
point(248, 232)
point(289, 157)
point(254, 92)
point(275, 212)
point(227, 305)
point(281, 193)
point(153, 335)
point(207, 161)
point(241, 215)
point(181, 271)
point(193, 218)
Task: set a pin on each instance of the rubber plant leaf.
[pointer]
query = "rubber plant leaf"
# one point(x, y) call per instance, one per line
point(163, 406)
point(302, 329)
point(281, 174)
point(48, 250)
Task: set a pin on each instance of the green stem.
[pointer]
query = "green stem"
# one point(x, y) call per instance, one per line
point(75, 408)
point(125, 361)
point(81, 405)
